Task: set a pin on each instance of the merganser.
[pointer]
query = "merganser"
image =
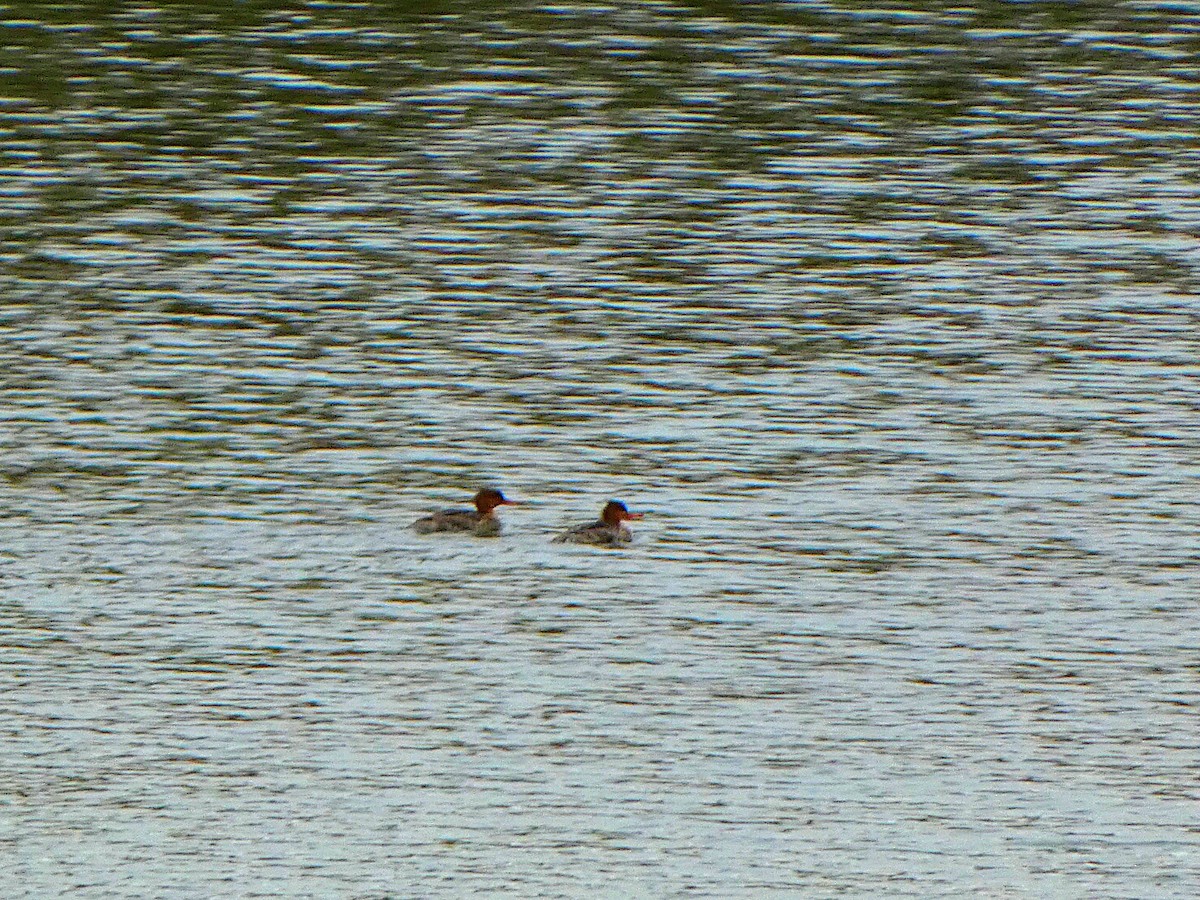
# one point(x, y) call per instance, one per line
point(480, 521)
point(607, 532)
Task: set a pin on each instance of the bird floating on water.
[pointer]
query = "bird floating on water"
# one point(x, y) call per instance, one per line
point(480, 521)
point(608, 531)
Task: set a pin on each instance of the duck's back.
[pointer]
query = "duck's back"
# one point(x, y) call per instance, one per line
point(448, 520)
point(599, 533)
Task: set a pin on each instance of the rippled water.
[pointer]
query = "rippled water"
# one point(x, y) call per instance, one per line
point(886, 318)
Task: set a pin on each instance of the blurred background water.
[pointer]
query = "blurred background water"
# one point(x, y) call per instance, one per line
point(884, 315)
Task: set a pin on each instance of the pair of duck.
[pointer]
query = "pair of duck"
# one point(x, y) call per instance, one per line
point(608, 531)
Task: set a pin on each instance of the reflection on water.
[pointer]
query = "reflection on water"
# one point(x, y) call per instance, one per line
point(885, 318)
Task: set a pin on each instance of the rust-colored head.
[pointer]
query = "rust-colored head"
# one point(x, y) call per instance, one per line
point(489, 498)
point(615, 512)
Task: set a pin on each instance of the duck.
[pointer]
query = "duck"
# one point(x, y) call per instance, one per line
point(480, 521)
point(608, 531)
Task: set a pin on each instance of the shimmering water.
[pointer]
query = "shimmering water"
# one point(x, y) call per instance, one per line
point(886, 318)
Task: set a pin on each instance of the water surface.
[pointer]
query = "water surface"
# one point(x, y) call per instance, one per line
point(885, 318)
